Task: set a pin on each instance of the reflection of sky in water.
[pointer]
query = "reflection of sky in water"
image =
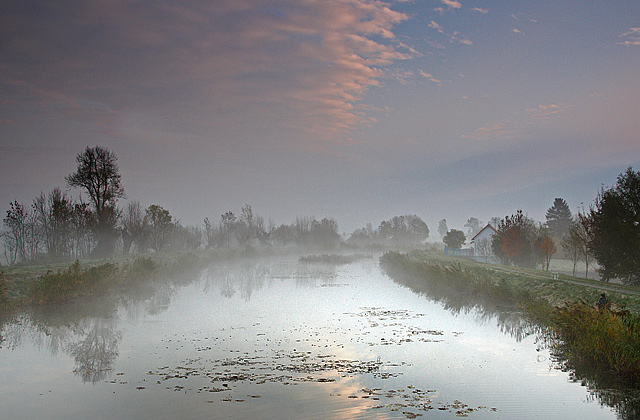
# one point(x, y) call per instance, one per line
point(259, 318)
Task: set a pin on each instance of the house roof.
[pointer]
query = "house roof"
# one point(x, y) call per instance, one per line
point(483, 229)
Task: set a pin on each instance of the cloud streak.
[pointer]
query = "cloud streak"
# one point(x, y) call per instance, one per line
point(309, 61)
point(632, 37)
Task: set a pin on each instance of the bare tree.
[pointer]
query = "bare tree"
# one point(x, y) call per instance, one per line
point(134, 228)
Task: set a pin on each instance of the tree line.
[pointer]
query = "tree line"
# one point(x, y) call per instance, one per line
point(57, 227)
point(608, 232)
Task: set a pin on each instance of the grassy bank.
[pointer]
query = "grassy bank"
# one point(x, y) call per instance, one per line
point(608, 339)
point(69, 282)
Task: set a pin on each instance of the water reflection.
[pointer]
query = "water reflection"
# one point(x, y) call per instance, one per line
point(608, 389)
point(509, 318)
point(95, 350)
point(249, 276)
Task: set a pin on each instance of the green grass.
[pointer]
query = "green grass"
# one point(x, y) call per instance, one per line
point(65, 282)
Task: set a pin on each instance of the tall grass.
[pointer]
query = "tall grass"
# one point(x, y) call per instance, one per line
point(73, 282)
point(606, 338)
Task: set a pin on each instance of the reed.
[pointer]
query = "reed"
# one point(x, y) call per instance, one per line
point(605, 338)
point(72, 283)
point(609, 339)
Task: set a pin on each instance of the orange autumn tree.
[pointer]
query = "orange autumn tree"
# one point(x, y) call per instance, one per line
point(548, 248)
point(516, 241)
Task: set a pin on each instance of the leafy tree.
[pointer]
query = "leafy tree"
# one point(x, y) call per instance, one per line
point(325, 233)
point(403, 230)
point(160, 225)
point(572, 244)
point(614, 223)
point(283, 235)
point(362, 236)
point(473, 226)
point(585, 233)
point(442, 228)
point(516, 241)
point(454, 238)
point(548, 248)
point(98, 174)
point(559, 218)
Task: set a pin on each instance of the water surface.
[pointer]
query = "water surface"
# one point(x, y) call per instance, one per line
point(281, 339)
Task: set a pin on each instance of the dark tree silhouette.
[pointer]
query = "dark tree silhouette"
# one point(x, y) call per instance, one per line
point(98, 174)
point(614, 229)
point(559, 218)
point(454, 238)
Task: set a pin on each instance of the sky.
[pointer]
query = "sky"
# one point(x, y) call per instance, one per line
point(360, 110)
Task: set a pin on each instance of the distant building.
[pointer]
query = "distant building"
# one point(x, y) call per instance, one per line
point(482, 245)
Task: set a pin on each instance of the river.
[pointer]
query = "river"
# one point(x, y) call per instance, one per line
point(280, 339)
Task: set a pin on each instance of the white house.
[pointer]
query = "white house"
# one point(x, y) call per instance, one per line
point(482, 245)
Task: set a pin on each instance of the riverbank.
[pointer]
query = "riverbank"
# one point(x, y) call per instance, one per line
point(564, 307)
point(65, 282)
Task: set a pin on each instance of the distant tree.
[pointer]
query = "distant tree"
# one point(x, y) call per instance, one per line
point(209, 232)
point(614, 223)
point(363, 236)
point(442, 228)
point(494, 221)
point(586, 234)
point(283, 235)
point(160, 224)
point(325, 233)
point(403, 230)
point(61, 214)
point(548, 248)
point(516, 241)
point(228, 221)
point(454, 238)
point(134, 228)
point(473, 226)
point(302, 229)
point(81, 234)
point(572, 245)
point(559, 218)
point(483, 249)
point(249, 226)
point(98, 174)
point(15, 237)
point(184, 237)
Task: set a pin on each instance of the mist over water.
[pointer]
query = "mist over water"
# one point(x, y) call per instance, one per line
point(277, 338)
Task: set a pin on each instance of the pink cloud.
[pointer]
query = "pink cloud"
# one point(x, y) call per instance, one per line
point(546, 112)
point(632, 37)
point(429, 77)
point(452, 4)
point(309, 62)
point(499, 130)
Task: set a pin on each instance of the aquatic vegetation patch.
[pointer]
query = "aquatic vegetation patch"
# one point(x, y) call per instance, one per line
point(415, 399)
